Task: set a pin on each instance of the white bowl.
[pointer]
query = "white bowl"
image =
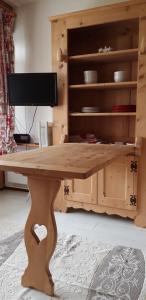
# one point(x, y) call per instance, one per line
point(120, 76)
point(90, 109)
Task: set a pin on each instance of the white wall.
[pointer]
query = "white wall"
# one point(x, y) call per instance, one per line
point(32, 39)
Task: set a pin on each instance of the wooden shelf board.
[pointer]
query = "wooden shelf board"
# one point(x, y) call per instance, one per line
point(107, 85)
point(121, 55)
point(28, 145)
point(111, 114)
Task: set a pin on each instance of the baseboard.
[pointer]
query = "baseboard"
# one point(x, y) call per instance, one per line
point(16, 189)
point(16, 186)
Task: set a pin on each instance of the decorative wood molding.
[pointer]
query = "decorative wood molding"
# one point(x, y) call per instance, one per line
point(99, 8)
point(102, 209)
point(60, 56)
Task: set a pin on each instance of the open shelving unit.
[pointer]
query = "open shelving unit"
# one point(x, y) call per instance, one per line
point(106, 125)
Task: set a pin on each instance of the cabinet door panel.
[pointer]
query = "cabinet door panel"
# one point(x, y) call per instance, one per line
point(116, 184)
point(84, 191)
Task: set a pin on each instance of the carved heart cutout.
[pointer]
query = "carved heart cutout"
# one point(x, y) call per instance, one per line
point(39, 232)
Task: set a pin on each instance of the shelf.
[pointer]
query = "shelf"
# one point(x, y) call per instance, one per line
point(104, 86)
point(28, 145)
point(110, 114)
point(113, 56)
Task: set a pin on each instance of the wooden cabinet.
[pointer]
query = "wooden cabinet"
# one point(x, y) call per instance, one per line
point(77, 40)
point(111, 190)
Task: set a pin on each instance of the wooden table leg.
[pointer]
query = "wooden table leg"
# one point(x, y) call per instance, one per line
point(37, 274)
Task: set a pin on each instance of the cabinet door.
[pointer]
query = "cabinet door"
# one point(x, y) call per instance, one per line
point(79, 190)
point(117, 184)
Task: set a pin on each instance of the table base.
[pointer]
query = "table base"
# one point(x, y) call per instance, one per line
point(37, 274)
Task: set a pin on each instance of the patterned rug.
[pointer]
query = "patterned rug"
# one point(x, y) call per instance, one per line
point(82, 270)
point(8, 245)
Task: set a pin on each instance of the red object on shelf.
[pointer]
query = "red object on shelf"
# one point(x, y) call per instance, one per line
point(124, 108)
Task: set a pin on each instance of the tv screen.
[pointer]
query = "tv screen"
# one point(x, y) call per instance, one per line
point(39, 89)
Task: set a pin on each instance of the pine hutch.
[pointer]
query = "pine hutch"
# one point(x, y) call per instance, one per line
point(119, 188)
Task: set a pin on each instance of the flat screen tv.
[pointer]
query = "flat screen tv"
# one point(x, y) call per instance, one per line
point(27, 89)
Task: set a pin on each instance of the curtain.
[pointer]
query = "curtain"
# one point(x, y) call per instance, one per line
point(7, 113)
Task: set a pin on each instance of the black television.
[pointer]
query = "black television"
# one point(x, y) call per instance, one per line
point(27, 89)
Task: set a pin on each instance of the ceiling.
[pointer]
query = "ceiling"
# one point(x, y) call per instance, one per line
point(17, 3)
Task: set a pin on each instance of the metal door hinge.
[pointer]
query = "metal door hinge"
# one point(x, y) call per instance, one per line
point(66, 190)
point(134, 166)
point(133, 200)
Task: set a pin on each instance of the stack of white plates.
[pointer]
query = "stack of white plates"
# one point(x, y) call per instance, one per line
point(90, 109)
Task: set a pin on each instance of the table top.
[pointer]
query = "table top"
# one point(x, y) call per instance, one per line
point(65, 160)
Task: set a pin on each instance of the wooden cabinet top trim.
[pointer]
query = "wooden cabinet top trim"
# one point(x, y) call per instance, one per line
point(97, 8)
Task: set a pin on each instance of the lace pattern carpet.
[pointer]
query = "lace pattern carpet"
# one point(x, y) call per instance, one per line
point(8, 245)
point(82, 270)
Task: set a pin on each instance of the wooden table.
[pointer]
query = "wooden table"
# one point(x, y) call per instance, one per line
point(45, 168)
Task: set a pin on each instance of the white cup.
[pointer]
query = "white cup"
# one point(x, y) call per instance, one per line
point(90, 76)
point(120, 76)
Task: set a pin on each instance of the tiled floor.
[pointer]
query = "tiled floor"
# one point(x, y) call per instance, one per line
point(14, 209)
